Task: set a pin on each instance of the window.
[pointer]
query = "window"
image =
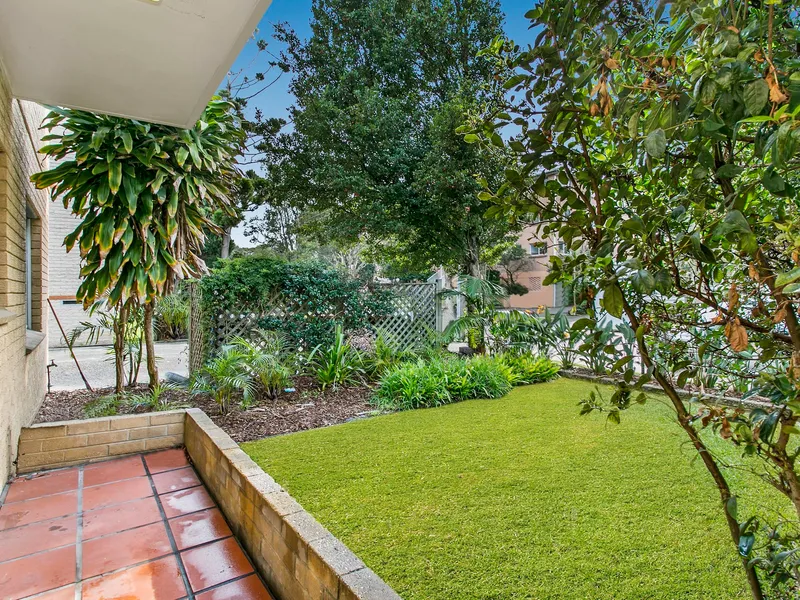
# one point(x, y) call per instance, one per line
point(538, 249)
point(535, 284)
point(33, 271)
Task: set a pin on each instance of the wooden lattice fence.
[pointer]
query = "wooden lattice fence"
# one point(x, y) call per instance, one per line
point(416, 313)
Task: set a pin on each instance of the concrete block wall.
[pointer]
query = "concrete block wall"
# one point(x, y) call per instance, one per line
point(62, 444)
point(23, 375)
point(298, 557)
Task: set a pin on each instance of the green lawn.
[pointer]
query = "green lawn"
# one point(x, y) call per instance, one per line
point(519, 498)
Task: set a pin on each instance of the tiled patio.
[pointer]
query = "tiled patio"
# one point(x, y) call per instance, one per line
point(141, 527)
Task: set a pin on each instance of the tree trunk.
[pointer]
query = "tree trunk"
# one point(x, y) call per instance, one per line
point(119, 348)
point(684, 420)
point(473, 257)
point(152, 367)
point(225, 252)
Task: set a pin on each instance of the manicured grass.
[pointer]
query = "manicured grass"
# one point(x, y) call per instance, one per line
point(520, 498)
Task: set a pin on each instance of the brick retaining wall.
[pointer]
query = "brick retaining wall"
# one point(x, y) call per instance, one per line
point(67, 443)
point(296, 555)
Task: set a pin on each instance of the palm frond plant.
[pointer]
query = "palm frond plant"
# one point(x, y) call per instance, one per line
point(106, 321)
point(156, 399)
point(224, 376)
point(263, 360)
point(337, 364)
point(484, 300)
point(172, 316)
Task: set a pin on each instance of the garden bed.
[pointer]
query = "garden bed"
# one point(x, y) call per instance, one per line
point(306, 408)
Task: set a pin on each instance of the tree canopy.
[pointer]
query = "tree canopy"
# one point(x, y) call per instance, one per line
point(380, 89)
point(661, 147)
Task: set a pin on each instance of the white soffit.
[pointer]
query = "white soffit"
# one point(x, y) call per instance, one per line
point(154, 61)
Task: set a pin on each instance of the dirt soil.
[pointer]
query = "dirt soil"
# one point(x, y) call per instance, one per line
point(307, 407)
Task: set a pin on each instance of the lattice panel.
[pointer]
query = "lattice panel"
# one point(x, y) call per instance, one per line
point(414, 313)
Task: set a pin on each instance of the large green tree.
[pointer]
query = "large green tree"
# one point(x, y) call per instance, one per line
point(145, 195)
point(661, 144)
point(380, 88)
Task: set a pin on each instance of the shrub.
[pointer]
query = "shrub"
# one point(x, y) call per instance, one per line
point(172, 316)
point(442, 381)
point(301, 299)
point(104, 406)
point(223, 376)
point(155, 400)
point(385, 355)
point(337, 364)
point(528, 369)
point(264, 360)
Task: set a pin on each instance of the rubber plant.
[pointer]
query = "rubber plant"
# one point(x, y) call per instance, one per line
point(144, 194)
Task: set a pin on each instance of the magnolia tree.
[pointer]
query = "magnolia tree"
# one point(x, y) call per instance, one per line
point(145, 195)
point(660, 144)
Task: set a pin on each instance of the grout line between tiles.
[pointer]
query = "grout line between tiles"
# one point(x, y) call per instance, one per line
point(224, 583)
point(172, 543)
point(79, 540)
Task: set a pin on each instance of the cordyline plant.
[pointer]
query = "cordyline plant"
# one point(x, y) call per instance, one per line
point(145, 195)
point(659, 142)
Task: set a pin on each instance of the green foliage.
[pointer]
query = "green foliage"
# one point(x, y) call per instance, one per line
point(379, 93)
point(172, 316)
point(528, 369)
point(156, 399)
point(511, 473)
point(660, 143)
point(312, 297)
point(143, 194)
point(104, 406)
point(424, 384)
point(337, 363)
point(265, 360)
point(385, 355)
point(105, 321)
point(225, 376)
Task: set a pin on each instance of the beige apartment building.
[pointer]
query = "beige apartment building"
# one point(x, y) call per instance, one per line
point(23, 271)
point(532, 270)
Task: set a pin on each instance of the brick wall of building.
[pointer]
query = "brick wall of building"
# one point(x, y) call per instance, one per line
point(23, 376)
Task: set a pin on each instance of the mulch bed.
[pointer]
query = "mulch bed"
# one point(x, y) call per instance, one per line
point(306, 408)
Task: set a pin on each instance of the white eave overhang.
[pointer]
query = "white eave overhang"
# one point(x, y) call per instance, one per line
point(153, 61)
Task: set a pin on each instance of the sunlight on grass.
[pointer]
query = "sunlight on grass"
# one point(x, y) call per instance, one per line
point(520, 498)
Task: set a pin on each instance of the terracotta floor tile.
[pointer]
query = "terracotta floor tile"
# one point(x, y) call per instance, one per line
point(157, 580)
point(113, 552)
point(26, 576)
point(116, 492)
point(120, 517)
point(216, 563)
point(66, 593)
point(249, 588)
point(186, 501)
point(199, 528)
point(21, 541)
point(172, 481)
point(25, 488)
point(167, 460)
point(113, 470)
point(38, 509)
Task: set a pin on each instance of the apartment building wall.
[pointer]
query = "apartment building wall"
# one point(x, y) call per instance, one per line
point(23, 272)
point(532, 270)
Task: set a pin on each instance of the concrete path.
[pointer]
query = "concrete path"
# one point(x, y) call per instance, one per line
point(98, 365)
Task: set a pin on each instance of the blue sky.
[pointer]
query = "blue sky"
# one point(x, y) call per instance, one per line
point(297, 13)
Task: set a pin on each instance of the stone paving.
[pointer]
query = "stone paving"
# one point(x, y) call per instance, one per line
point(140, 527)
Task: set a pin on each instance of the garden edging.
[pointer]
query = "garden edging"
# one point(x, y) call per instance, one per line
point(713, 399)
point(296, 555)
